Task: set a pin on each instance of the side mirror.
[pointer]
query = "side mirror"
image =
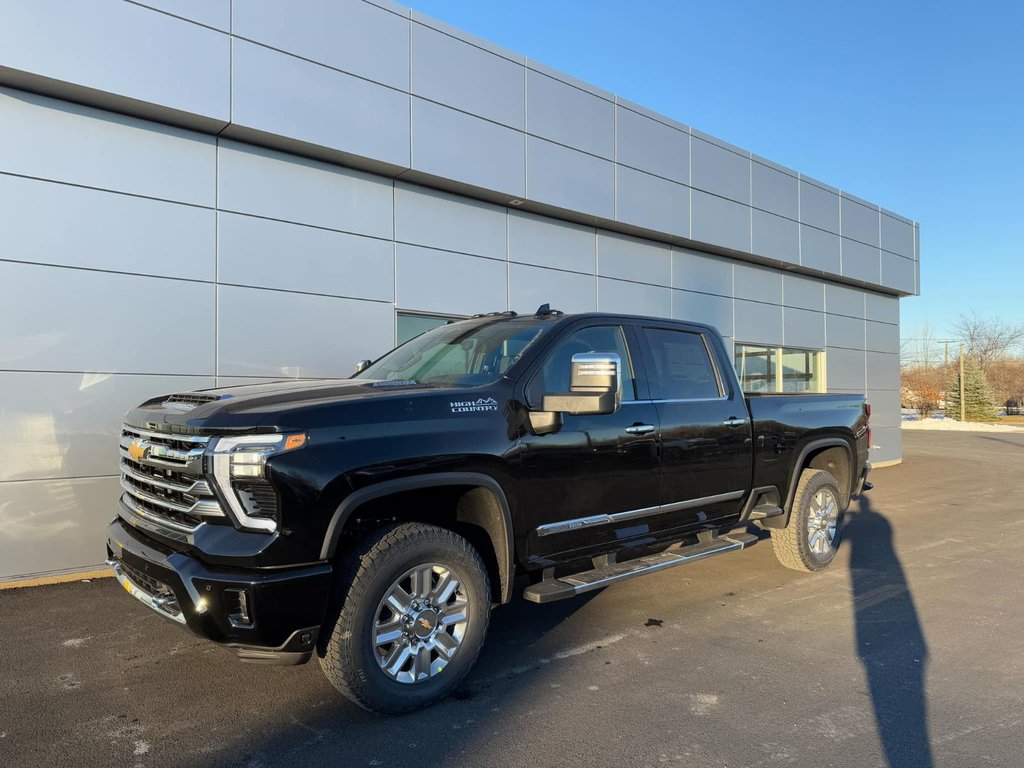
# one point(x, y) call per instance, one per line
point(362, 365)
point(593, 386)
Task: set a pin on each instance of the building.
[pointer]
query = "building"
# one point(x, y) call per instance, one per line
point(197, 192)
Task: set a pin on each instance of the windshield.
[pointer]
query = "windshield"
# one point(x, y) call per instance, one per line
point(460, 354)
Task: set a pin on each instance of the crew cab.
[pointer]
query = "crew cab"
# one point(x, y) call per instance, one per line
point(375, 521)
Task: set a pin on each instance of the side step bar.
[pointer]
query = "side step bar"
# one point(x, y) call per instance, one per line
point(763, 511)
point(609, 571)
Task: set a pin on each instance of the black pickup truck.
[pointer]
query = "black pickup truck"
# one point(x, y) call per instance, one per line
point(376, 520)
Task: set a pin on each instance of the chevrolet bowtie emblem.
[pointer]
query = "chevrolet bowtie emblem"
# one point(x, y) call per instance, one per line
point(136, 450)
point(425, 624)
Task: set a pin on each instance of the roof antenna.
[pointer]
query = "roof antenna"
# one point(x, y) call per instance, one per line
point(545, 309)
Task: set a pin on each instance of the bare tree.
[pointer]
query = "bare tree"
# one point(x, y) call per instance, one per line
point(987, 339)
point(920, 350)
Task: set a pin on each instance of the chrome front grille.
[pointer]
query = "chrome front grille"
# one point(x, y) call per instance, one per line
point(162, 478)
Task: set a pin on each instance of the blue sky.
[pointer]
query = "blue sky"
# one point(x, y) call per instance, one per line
point(917, 106)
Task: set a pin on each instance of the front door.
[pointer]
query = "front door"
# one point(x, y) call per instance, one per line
point(706, 449)
point(595, 466)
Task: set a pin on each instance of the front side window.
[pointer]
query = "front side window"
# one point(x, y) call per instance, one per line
point(554, 375)
point(681, 368)
point(465, 354)
point(779, 369)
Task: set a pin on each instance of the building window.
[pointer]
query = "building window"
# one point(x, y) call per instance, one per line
point(779, 369)
point(409, 325)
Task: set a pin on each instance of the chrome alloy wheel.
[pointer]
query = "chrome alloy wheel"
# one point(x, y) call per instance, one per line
point(821, 521)
point(420, 623)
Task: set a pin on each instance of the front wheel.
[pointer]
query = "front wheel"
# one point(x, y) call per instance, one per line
point(409, 614)
point(811, 540)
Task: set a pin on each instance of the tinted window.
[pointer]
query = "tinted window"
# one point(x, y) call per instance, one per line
point(681, 368)
point(553, 377)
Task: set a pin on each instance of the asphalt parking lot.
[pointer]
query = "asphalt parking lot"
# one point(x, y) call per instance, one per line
point(908, 652)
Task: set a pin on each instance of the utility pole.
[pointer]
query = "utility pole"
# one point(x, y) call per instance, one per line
point(963, 408)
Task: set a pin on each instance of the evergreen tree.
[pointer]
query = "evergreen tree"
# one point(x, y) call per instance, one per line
point(977, 394)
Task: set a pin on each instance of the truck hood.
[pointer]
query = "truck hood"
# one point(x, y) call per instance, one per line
point(252, 406)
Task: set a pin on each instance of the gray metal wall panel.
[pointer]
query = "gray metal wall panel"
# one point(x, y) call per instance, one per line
point(81, 325)
point(104, 230)
point(757, 283)
point(820, 250)
point(898, 236)
point(267, 183)
point(570, 179)
point(889, 442)
point(702, 272)
point(883, 370)
point(436, 281)
point(637, 298)
point(860, 222)
point(719, 221)
point(120, 48)
point(843, 331)
point(841, 300)
point(67, 424)
point(464, 148)
point(758, 323)
point(845, 370)
point(210, 13)
point(651, 202)
point(349, 35)
point(898, 272)
point(630, 258)
point(651, 146)
point(883, 337)
point(774, 191)
point(551, 243)
point(885, 409)
point(719, 171)
point(775, 237)
point(57, 140)
point(296, 335)
point(264, 253)
point(568, 115)
point(803, 292)
point(884, 309)
point(284, 95)
point(862, 262)
point(463, 76)
point(63, 524)
point(450, 222)
point(529, 287)
point(819, 207)
point(704, 308)
point(803, 328)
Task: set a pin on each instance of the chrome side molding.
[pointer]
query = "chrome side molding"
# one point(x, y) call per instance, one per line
point(563, 526)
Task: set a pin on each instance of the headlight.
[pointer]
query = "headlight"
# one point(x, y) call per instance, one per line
point(239, 469)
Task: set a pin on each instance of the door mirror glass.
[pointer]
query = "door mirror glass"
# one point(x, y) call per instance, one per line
point(593, 386)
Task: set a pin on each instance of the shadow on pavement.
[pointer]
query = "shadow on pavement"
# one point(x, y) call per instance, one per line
point(335, 732)
point(890, 641)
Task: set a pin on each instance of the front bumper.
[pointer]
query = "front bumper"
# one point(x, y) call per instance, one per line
point(277, 621)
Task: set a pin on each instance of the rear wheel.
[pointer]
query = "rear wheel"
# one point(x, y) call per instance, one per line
point(811, 540)
point(408, 618)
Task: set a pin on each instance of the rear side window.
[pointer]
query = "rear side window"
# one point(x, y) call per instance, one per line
point(681, 366)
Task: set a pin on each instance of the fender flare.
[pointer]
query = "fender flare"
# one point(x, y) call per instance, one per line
point(798, 466)
point(503, 543)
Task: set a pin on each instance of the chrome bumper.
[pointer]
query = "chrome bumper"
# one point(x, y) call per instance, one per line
point(165, 606)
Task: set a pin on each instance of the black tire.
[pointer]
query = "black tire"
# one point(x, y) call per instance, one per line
point(792, 544)
point(348, 654)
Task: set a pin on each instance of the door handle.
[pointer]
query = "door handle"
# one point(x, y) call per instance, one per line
point(640, 429)
point(733, 422)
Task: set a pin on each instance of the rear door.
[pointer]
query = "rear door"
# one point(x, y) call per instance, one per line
point(706, 441)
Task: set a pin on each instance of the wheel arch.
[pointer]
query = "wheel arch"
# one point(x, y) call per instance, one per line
point(833, 454)
point(483, 506)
